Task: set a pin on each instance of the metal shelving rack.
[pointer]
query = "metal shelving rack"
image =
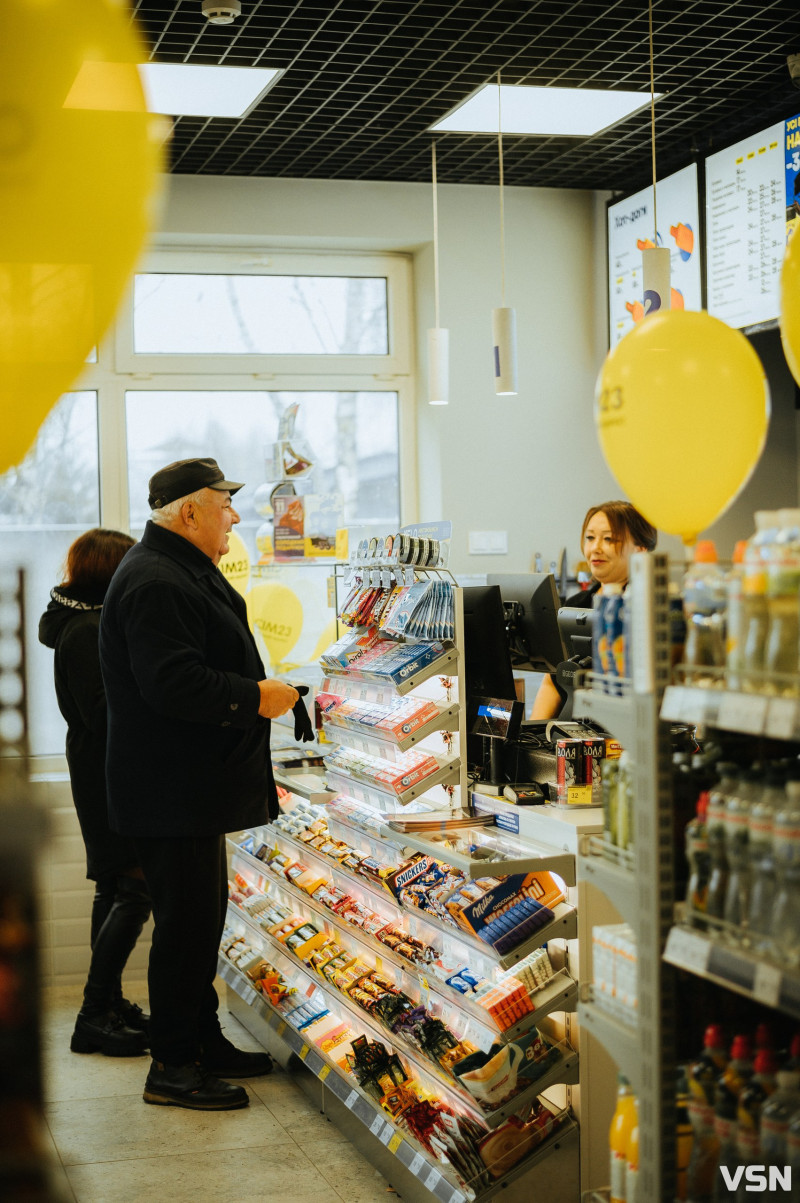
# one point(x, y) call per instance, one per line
point(644, 1047)
point(425, 1181)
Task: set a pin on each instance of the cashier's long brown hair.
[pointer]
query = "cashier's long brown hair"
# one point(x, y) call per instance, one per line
point(625, 521)
point(93, 559)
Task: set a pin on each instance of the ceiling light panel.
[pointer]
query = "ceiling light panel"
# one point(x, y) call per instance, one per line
point(564, 112)
point(187, 90)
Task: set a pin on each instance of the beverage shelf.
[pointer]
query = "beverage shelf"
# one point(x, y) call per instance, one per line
point(352, 732)
point(615, 878)
point(370, 687)
point(620, 1039)
point(354, 787)
point(747, 713)
point(738, 969)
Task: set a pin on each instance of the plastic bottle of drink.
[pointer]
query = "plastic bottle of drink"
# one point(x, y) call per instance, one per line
point(748, 1113)
point(715, 825)
point(785, 942)
point(702, 1079)
point(776, 1114)
point(754, 599)
point(609, 776)
point(632, 1166)
point(793, 1147)
point(737, 814)
point(704, 601)
point(625, 802)
point(623, 1121)
point(730, 1085)
point(683, 1134)
point(699, 861)
point(763, 883)
point(734, 616)
point(783, 607)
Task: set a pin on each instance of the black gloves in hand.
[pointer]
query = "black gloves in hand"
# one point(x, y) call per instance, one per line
point(303, 729)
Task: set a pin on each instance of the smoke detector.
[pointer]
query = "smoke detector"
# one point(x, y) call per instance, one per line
point(221, 12)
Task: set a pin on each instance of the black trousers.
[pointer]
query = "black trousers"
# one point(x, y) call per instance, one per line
point(188, 883)
point(120, 909)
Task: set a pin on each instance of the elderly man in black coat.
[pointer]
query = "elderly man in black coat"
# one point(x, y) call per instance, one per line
point(189, 710)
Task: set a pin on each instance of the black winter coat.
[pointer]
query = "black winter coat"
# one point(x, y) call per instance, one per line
point(188, 753)
point(70, 625)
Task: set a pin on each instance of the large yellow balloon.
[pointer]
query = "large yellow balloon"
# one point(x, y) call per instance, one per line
point(790, 305)
point(682, 409)
point(235, 564)
point(79, 157)
point(276, 612)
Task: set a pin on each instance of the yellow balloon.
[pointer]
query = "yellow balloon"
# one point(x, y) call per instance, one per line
point(790, 305)
point(78, 166)
point(235, 564)
point(276, 612)
point(682, 409)
point(328, 636)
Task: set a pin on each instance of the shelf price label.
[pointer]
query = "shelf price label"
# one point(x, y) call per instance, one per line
point(281, 1028)
point(303, 1053)
point(687, 949)
point(416, 1163)
point(781, 718)
point(387, 1135)
point(432, 1181)
point(767, 984)
point(395, 1142)
point(350, 1101)
point(323, 1073)
point(745, 712)
point(377, 1125)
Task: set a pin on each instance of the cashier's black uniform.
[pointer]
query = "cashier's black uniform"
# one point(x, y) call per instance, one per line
point(188, 760)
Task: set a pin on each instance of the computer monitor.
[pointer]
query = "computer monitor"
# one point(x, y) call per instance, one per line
point(530, 606)
point(575, 626)
point(487, 666)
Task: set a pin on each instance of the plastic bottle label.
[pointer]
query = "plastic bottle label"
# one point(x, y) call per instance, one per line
point(618, 1168)
point(631, 1183)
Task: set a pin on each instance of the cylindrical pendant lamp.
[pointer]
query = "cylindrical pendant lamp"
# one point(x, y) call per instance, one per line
point(438, 366)
point(656, 278)
point(504, 336)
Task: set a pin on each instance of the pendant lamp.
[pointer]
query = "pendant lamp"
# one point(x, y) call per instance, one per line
point(438, 339)
point(656, 259)
point(504, 319)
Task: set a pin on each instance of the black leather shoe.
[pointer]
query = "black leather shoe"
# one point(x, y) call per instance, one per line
point(106, 1034)
point(227, 1061)
point(133, 1016)
point(193, 1087)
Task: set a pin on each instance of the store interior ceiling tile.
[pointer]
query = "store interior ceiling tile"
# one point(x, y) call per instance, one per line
point(365, 79)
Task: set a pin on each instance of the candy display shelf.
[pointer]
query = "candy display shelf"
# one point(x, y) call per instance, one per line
point(359, 735)
point(464, 1017)
point(739, 969)
point(499, 856)
point(448, 773)
point(371, 689)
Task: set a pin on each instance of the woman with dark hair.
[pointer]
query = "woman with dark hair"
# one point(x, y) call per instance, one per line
point(610, 533)
point(107, 1022)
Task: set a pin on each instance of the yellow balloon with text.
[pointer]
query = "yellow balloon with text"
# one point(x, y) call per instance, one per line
point(790, 304)
point(276, 612)
point(682, 409)
point(78, 168)
point(235, 564)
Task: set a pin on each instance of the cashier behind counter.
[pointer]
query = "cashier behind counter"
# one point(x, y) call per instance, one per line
point(611, 532)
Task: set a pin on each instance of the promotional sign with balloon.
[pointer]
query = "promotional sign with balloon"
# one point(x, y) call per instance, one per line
point(682, 409)
point(80, 159)
point(235, 564)
point(275, 612)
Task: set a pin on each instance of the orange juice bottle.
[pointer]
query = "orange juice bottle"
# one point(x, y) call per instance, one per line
point(623, 1121)
point(632, 1167)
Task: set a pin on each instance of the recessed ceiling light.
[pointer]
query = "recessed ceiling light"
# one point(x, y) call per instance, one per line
point(188, 90)
point(566, 112)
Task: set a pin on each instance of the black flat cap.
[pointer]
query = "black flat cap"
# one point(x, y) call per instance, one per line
point(187, 476)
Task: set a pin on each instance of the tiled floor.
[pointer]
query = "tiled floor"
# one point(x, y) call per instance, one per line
point(111, 1147)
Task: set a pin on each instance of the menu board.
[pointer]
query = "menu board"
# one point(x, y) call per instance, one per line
point(631, 229)
point(750, 211)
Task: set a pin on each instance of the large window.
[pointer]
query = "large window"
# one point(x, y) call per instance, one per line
point(207, 352)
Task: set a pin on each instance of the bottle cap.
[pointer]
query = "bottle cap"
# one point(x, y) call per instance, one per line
point(763, 1037)
point(765, 1061)
point(702, 806)
point(794, 1047)
point(714, 1036)
point(705, 552)
point(741, 1048)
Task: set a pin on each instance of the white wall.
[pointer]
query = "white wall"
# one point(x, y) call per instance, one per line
point(531, 464)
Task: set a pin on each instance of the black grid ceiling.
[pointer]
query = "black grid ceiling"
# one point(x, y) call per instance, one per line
point(364, 79)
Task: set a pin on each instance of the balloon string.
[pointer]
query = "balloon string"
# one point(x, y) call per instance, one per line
point(653, 125)
point(435, 237)
point(502, 212)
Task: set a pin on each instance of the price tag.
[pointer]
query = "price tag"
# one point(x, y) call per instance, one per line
point(395, 1142)
point(281, 1028)
point(416, 1164)
point(673, 707)
point(386, 1134)
point(745, 712)
point(350, 1101)
point(377, 1125)
point(323, 1073)
point(303, 1052)
point(781, 718)
point(687, 950)
point(767, 984)
point(432, 1181)
point(457, 1197)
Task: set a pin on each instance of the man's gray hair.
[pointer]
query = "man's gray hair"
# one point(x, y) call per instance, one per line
point(166, 514)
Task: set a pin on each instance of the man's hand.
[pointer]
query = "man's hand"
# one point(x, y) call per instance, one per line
point(277, 698)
